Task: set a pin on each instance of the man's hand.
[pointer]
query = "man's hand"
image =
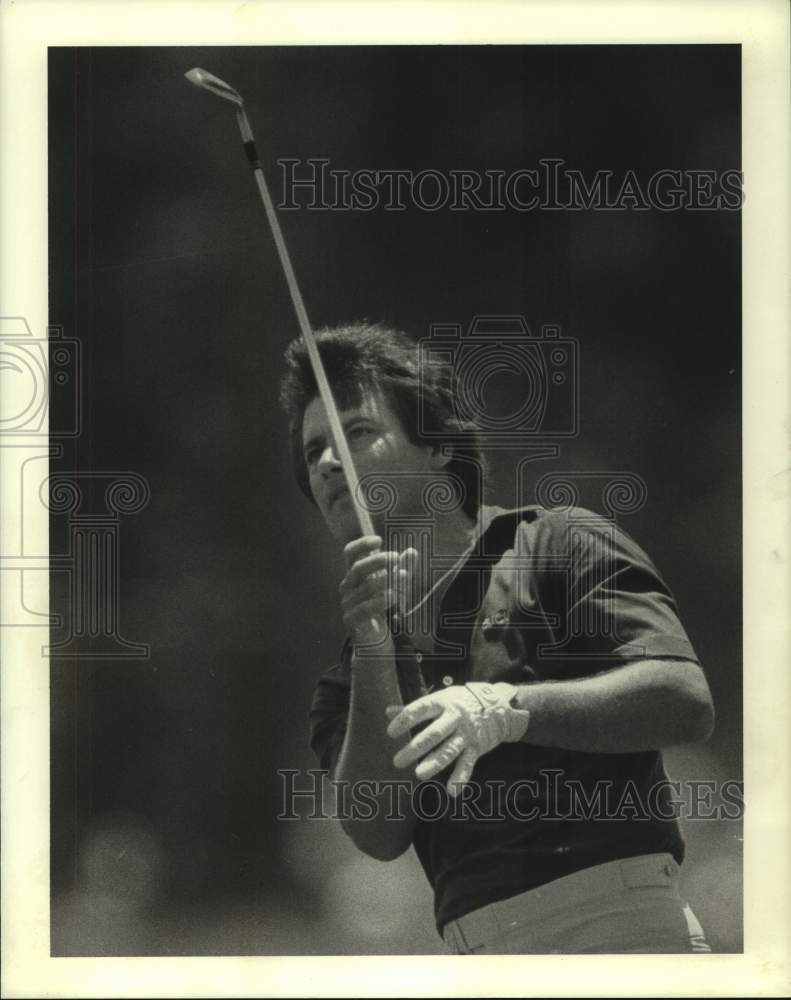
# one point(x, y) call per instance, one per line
point(470, 721)
point(375, 582)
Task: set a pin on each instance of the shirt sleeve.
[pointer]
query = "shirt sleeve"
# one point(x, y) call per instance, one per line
point(615, 605)
point(329, 712)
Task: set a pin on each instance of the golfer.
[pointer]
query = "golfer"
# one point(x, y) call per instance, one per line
point(516, 679)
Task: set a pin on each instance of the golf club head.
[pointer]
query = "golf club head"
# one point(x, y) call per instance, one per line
point(213, 85)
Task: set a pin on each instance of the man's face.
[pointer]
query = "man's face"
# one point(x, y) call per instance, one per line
point(379, 445)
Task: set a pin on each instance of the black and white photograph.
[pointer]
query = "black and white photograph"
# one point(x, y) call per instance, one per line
point(388, 427)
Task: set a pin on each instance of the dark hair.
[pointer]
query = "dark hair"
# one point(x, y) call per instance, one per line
point(364, 357)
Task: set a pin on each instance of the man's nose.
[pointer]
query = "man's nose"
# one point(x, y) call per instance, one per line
point(328, 460)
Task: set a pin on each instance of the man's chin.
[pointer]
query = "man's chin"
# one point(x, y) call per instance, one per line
point(341, 519)
point(343, 522)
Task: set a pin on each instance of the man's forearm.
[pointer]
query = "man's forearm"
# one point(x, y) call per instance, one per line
point(640, 706)
point(367, 755)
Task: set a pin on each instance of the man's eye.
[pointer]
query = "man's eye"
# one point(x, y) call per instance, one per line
point(358, 431)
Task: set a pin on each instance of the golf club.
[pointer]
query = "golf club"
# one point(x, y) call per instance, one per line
point(206, 81)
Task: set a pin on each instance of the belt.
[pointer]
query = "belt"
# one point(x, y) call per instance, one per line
point(644, 871)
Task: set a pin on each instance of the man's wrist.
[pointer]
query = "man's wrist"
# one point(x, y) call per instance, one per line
point(373, 656)
point(510, 694)
point(504, 699)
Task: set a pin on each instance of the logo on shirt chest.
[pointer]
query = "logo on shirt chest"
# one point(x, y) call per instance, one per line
point(496, 652)
point(499, 619)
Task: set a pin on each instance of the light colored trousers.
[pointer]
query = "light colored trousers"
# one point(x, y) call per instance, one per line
point(615, 908)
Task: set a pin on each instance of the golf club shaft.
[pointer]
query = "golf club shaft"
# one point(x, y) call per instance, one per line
point(364, 518)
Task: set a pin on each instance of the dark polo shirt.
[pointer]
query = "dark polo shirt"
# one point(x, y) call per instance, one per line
point(545, 595)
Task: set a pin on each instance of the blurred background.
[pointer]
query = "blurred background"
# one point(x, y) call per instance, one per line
point(165, 787)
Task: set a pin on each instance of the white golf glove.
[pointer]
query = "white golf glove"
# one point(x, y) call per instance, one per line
point(470, 721)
